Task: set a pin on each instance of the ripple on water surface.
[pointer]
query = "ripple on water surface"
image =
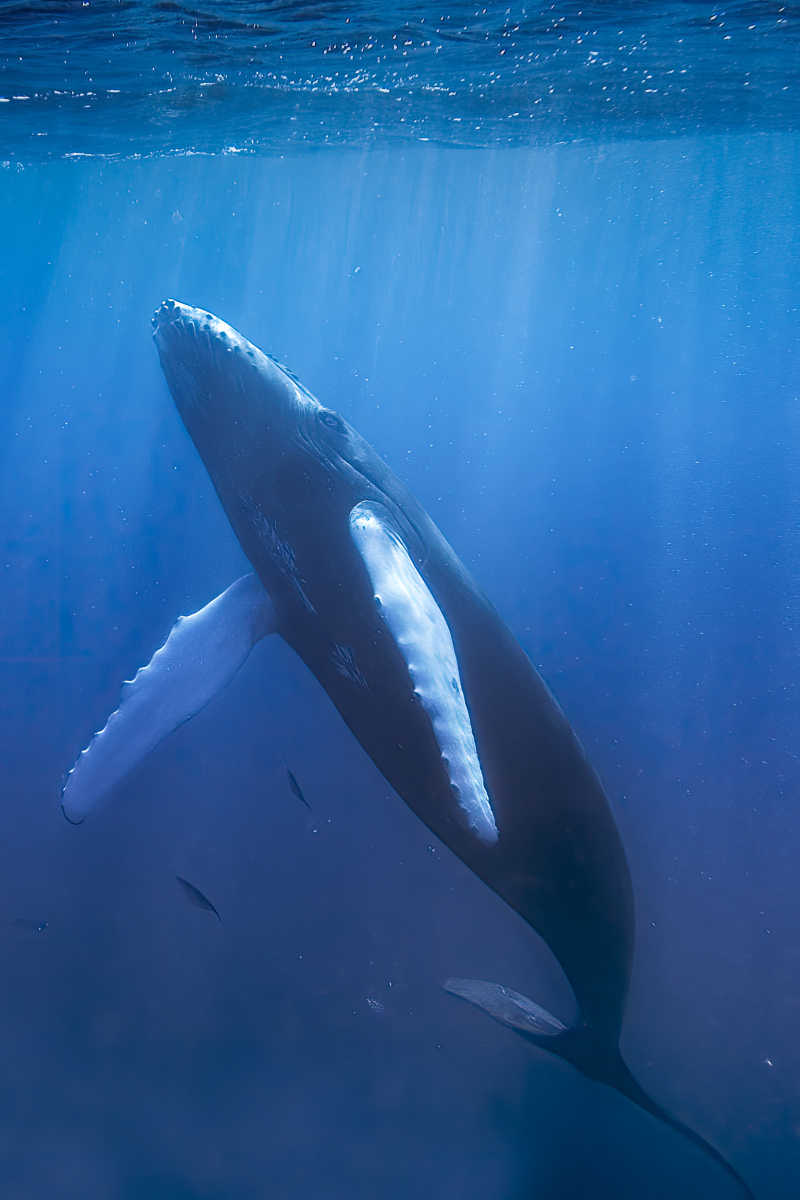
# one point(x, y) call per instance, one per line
point(114, 77)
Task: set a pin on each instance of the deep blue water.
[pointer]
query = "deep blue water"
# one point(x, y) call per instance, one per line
point(580, 350)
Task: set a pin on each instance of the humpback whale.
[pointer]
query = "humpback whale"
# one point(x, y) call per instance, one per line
point(354, 575)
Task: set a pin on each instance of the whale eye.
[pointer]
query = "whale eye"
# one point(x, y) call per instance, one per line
point(331, 420)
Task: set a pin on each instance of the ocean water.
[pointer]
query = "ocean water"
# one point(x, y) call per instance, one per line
point(545, 260)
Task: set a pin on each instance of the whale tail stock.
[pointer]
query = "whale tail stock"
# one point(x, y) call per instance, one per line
point(576, 1048)
point(583, 1050)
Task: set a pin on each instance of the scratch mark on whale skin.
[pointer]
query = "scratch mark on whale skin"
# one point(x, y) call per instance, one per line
point(345, 663)
point(276, 547)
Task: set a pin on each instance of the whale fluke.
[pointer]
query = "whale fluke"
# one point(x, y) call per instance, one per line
point(508, 1007)
point(580, 1049)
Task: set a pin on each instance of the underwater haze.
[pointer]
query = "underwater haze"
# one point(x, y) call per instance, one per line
point(564, 309)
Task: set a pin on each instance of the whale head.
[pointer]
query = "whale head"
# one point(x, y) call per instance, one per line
point(249, 417)
point(279, 459)
point(218, 379)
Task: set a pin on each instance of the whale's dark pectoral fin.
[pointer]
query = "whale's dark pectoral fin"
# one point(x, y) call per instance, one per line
point(576, 1047)
point(201, 655)
point(507, 1007)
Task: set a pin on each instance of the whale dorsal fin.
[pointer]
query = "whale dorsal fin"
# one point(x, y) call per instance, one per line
point(422, 635)
point(201, 655)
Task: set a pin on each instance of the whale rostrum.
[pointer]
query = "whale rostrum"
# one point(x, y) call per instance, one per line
point(353, 574)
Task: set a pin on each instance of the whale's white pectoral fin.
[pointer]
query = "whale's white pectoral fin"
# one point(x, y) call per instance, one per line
point(510, 1008)
point(423, 637)
point(201, 655)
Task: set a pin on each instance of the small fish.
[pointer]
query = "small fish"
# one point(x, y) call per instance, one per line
point(295, 787)
point(196, 897)
point(26, 925)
